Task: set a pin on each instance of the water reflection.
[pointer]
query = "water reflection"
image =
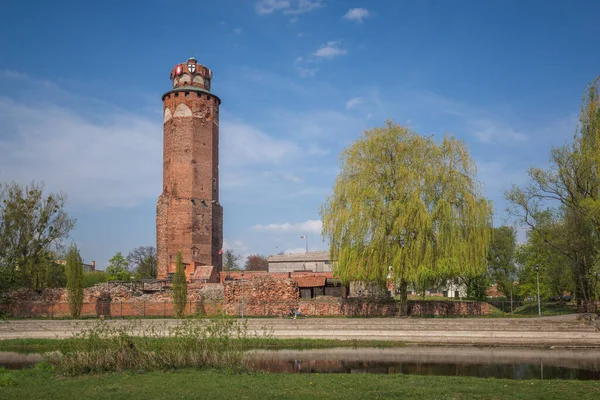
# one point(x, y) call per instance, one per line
point(10, 360)
point(508, 363)
point(477, 362)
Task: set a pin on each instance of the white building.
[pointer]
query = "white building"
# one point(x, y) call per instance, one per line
point(314, 261)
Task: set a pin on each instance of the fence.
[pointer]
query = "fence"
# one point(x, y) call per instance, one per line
point(505, 305)
point(309, 307)
point(109, 309)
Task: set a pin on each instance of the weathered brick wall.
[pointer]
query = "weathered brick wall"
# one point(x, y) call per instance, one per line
point(189, 217)
point(262, 296)
point(253, 306)
point(447, 308)
point(112, 309)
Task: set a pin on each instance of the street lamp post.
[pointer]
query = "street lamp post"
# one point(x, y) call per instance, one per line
point(537, 277)
point(305, 237)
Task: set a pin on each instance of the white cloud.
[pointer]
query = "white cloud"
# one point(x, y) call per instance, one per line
point(92, 157)
point(330, 50)
point(307, 72)
point(297, 250)
point(306, 227)
point(289, 7)
point(237, 31)
point(353, 102)
point(237, 246)
point(356, 14)
point(247, 145)
point(489, 131)
point(277, 176)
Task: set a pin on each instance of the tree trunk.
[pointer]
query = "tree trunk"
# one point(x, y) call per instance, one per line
point(403, 307)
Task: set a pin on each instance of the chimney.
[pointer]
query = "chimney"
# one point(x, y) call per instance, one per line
point(93, 264)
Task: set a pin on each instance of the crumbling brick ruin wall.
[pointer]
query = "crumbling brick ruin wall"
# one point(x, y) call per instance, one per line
point(424, 308)
point(262, 296)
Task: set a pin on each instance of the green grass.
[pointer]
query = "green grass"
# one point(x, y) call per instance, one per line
point(42, 383)
point(48, 345)
point(548, 309)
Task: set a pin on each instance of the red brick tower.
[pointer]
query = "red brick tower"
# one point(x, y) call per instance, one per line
point(189, 217)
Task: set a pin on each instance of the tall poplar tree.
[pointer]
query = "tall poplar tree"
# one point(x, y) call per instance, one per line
point(74, 272)
point(179, 287)
point(405, 201)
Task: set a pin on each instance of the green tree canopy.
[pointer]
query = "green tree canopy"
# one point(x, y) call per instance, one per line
point(409, 202)
point(143, 262)
point(117, 268)
point(555, 268)
point(570, 188)
point(231, 261)
point(32, 226)
point(501, 259)
point(74, 271)
point(179, 287)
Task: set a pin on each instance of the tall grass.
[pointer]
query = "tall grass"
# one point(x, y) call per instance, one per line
point(193, 343)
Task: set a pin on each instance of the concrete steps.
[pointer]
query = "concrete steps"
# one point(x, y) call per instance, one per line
point(495, 332)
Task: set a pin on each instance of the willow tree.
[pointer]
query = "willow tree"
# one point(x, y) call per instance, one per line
point(407, 206)
point(179, 287)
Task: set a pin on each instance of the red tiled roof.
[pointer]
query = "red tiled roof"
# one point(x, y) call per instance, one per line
point(310, 281)
point(203, 272)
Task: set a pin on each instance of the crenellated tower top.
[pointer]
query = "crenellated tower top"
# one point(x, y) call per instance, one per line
point(190, 76)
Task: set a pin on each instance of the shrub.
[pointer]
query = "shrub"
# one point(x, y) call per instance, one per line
point(179, 287)
point(74, 271)
point(93, 277)
point(192, 343)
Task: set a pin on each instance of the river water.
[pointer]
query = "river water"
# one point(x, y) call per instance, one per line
point(508, 363)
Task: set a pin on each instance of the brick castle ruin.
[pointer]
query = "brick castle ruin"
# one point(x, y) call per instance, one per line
point(189, 217)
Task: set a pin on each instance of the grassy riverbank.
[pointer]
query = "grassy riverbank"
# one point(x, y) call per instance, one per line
point(548, 309)
point(48, 345)
point(42, 383)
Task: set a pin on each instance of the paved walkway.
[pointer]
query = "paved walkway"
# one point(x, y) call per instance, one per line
point(538, 332)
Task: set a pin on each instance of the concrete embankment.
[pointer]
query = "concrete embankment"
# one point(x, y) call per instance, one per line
point(533, 332)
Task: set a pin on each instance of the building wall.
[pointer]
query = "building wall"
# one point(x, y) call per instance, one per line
point(189, 217)
point(291, 266)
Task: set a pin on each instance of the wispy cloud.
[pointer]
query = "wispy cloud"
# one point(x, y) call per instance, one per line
point(76, 153)
point(353, 102)
point(238, 31)
point(330, 50)
point(278, 176)
point(307, 72)
point(492, 125)
point(247, 145)
point(356, 14)
point(305, 67)
point(296, 250)
point(310, 226)
point(489, 131)
point(289, 7)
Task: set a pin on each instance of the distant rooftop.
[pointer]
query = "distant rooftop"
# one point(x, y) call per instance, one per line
point(310, 256)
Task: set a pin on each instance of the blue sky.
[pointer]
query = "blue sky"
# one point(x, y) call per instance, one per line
point(80, 108)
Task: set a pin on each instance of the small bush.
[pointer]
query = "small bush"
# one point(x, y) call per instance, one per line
point(193, 343)
point(93, 277)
